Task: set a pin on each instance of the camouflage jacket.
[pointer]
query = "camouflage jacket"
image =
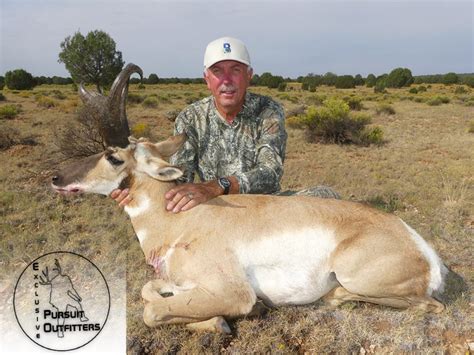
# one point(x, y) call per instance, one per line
point(252, 148)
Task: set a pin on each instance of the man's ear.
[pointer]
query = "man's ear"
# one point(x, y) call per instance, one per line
point(170, 146)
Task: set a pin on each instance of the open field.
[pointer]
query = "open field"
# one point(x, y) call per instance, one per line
point(423, 173)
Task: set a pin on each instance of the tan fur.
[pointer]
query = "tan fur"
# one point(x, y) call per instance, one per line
point(194, 252)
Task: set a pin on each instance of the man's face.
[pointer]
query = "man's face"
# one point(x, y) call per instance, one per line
point(228, 81)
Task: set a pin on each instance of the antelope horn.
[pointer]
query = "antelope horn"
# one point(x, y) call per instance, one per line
point(119, 87)
point(84, 94)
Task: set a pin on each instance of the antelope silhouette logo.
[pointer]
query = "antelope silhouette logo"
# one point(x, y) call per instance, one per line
point(63, 296)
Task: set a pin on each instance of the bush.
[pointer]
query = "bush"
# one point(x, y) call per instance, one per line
point(370, 81)
point(46, 102)
point(133, 98)
point(141, 130)
point(19, 79)
point(438, 100)
point(333, 123)
point(296, 122)
point(2, 97)
point(460, 90)
point(422, 88)
point(471, 127)
point(385, 108)
point(141, 87)
point(345, 82)
point(9, 111)
point(10, 136)
point(450, 78)
point(413, 91)
point(282, 86)
point(355, 103)
point(150, 102)
point(315, 100)
point(2, 82)
point(469, 81)
point(58, 94)
point(399, 77)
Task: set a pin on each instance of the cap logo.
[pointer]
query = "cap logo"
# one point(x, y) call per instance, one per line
point(227, 48)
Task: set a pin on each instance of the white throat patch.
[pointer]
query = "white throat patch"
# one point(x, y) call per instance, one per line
point(143, 204)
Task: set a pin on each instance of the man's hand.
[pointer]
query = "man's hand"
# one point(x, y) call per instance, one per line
point(121, 196)
point(186, 196)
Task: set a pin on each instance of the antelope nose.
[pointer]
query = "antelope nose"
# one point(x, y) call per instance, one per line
point(55, 179)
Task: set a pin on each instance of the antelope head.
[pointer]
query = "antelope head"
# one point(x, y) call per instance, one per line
point(103, 172)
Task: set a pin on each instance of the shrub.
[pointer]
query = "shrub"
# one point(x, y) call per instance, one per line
point(345, 82)
point(2, 97)
point(471, 127)
point(296, 122)
point(384, 108)
point(19, 79)
point(141, 130)
point(133, 98)
point(399, 77)
point(10, 136)
point(150, 102)
point(333, 123)
point(413, 91)
point(315, 100)
point(46, 102)
point(421, 88)
point(438, 100)
point(469, 81)
point(355, 103)
point(282, 86)
point(450, 78)
point(370, 81)
point(2, 82)
point(373, 136)
point(141, 87)
point(58, 95)
point(9, 111)
point(380, 86)
point(312, 88)
point(460, 90)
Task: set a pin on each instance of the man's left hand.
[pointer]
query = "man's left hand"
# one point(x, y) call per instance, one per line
point(186, 196)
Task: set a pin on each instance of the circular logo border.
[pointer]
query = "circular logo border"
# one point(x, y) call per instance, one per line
point(26, 268)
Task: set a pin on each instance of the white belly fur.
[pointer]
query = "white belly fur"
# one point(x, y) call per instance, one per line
point(291, 267)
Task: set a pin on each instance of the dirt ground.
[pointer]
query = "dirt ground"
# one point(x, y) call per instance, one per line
point(423, 173)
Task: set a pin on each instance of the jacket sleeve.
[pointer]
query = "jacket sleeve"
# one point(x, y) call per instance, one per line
point(186, 158)
point(265, 177)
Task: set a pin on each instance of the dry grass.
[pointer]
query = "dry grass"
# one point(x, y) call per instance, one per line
point(423, 173)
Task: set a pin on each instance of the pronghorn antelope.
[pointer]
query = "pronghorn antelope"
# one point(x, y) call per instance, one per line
point(219, 257)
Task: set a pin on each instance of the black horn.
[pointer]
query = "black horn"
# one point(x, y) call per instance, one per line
point(109, 112)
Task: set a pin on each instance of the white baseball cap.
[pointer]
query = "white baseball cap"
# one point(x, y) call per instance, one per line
point(226, 48)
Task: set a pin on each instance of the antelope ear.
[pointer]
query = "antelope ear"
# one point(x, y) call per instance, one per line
point(171, 145)
point(158, 169)
point(168, 173)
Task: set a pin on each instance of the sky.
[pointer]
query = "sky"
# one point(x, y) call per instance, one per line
point(288, 38)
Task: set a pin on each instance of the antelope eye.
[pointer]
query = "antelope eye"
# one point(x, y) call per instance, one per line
point(113, 160)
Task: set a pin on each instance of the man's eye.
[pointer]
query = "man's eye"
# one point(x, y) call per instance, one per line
point(114, 161)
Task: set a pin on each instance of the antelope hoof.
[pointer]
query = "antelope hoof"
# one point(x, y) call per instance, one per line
point(215, 325)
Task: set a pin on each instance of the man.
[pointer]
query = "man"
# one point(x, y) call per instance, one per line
point(236, 139)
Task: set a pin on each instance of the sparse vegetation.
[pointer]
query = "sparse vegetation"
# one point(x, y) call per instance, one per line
point(438, 100)
point(422, 172)
point(150, 102)
point(385, 108)
point(9, 111)
point(141, 130)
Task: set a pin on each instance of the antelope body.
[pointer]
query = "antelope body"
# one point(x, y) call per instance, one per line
point(218, 258)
